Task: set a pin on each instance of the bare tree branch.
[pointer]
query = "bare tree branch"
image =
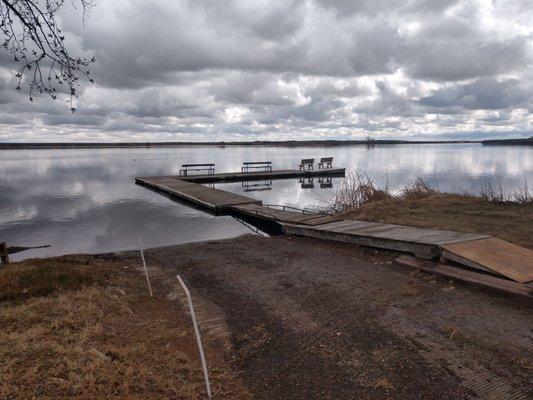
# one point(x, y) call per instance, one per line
point(33, 37)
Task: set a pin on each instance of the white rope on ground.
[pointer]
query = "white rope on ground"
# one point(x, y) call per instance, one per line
point(145, 269)
point(198, 338)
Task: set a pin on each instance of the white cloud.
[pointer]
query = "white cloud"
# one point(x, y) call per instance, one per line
point(203, 70)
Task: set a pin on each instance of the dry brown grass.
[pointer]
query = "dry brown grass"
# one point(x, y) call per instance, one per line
point(506, 220)
point(74, 327)
point(42, 277)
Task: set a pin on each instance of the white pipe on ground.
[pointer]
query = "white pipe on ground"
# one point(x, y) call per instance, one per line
point(198, 338)
point(145, 269)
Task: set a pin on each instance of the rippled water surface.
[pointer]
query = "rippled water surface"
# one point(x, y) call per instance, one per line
point(85, 200)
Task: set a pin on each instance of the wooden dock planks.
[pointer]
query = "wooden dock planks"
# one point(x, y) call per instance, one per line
point(282, 216)
point(214, 200)
point(259, 175)
point(494, 255)
point(423, 242)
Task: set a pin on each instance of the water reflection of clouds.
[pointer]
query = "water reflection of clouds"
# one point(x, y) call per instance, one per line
point(84, 200)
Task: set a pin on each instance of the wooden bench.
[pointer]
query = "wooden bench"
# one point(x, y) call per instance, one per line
point(307, 164)
point(325, 162)
point(185, 168)
point(264, 165)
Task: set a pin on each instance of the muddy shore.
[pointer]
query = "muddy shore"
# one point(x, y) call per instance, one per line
point(299, 318)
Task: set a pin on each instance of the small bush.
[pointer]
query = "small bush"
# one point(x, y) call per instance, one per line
point(417, 188)
point(522, 195)
point(492, 192)
point(357, 189)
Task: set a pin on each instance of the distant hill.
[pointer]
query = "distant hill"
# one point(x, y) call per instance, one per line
point(519, 142)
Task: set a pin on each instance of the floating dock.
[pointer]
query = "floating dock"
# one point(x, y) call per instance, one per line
point(213, 200)
point(256, 175)
point(478, 252)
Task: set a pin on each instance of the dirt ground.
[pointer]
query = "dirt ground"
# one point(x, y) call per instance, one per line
point(307, 319)
point(281, 318)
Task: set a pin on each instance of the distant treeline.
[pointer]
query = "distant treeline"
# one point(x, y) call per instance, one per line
point(520, 142)
point(287, 143)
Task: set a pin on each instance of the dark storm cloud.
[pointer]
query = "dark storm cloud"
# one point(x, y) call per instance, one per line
point(483, 94)
point(205, 70)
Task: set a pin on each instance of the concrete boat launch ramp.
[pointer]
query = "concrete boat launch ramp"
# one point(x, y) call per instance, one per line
point(478, 252)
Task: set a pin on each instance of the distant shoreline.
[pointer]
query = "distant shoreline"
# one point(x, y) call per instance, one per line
point(285, 143)
point(288, 143)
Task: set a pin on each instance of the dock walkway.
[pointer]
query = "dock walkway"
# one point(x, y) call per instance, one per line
point(424, 243)
point(475, 251)
point(260, 175)
point(215, 200)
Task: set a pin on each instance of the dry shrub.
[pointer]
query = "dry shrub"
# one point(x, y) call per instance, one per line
point(492, 192)
point(417, 188)
point(357, 189)
point(522, 195)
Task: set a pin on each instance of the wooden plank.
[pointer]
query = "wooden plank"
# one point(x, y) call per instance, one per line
point(353, 225)
point(210, 198)
point(423, 250)
point(321, 219)
point(276, 214)
point(337, 225)
point(287, 216)
point(466, 276)
point(503, 258)
point(378, 230)
point(401, 232)
point(409, 233)
point(412, 234)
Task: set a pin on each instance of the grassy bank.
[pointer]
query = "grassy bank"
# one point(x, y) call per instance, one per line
point(418, 204)
point(80, 327)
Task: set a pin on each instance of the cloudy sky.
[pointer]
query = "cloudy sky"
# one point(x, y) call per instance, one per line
point(274, 70)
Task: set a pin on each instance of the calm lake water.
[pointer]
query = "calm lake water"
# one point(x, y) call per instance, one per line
point(85, 200)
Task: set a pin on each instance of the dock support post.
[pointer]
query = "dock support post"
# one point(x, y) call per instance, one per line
point(4, 257)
